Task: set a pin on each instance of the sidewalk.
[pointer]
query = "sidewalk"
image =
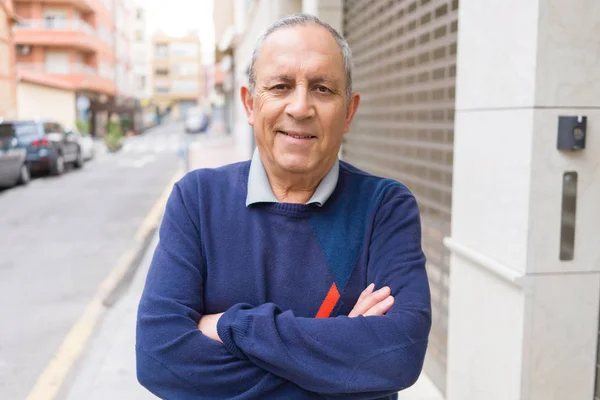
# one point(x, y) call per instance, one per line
point(212, 150)
point(108, 369)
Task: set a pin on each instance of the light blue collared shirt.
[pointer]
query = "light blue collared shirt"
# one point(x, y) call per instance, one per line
point(259, 188)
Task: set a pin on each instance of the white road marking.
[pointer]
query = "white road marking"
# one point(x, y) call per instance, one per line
point(137, 162)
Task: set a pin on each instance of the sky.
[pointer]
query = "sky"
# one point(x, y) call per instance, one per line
point(178, 17)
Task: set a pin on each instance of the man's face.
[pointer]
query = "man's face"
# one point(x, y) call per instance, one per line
point(300, 112)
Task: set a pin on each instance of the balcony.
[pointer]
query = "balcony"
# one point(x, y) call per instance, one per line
point(75, 76)
point(82, 5)
point(57, 33)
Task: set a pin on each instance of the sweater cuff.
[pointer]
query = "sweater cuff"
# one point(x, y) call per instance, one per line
point(232, 327)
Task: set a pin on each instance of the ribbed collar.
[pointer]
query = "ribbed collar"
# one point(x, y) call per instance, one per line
point(259, 188)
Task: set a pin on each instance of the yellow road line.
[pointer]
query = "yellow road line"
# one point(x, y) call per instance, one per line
point(52, 378)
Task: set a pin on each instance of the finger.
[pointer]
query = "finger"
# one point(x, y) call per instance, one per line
point(367, 303)
point(380, 308)
point(366, 292)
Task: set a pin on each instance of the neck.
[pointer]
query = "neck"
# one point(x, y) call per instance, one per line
point(295, 188)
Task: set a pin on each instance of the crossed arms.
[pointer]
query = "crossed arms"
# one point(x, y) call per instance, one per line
point(375, 351)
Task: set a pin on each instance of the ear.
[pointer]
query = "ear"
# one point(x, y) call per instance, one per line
point(248, 102)
point(351, 110)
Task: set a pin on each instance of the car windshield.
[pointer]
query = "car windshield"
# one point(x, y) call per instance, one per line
point(6, 130)
point(20, 129)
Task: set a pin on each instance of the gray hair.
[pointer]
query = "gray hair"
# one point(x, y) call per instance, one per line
point(303, 20)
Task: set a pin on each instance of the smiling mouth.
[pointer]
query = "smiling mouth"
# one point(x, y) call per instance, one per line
point(297, 136)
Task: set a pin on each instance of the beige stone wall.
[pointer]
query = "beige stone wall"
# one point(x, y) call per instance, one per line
point(4, 30)
point(36, 101)
point(523, 321)
point(6, 99)
point(222, 17)
point(7, 79)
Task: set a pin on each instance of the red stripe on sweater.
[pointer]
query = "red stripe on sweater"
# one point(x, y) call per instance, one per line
point(329, 303)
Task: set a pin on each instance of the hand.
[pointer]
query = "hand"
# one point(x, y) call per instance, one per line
point(208, 326)
point(373, 303)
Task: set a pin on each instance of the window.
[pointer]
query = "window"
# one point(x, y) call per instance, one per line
point(55, 22)
point(162, 50)
point(57, 62)
point(139, 56)
point(184, 86)
point(21, 129)
point(52, 127)
point(140, 14)
point(185, 50)
point(139, 35)
point(106, 71)
point(102, 33)
point(186, 69)
point(55, 18)
point(6, 132)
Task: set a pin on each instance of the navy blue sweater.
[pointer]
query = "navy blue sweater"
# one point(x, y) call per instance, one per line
point(273, 268)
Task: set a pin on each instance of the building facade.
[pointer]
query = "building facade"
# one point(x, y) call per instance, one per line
point(8, 102)
point(525, 264)
point(222, 95)
point(124, 17)
point(64, 51)
point(126, 102)
point(177, 73)
point(142, 66)
point(77, 55)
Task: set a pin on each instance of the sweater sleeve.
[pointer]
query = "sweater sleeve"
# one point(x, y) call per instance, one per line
point(363, 357)
point(174, 359)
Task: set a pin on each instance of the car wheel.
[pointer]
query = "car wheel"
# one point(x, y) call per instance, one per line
point(24, 175)
point(58, 168)
point(79, 160)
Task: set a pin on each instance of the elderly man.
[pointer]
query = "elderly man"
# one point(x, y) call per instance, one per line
point(294, 275)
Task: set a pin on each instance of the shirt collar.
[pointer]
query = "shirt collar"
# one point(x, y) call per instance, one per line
point(259, 189)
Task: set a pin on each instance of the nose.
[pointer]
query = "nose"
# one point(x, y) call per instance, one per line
point(300, 105)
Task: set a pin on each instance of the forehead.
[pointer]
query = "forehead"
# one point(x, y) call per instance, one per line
point(307, 49)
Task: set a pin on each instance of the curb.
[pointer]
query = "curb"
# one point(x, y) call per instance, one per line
point(123, 283)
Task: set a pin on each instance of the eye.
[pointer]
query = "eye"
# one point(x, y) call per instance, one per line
point(323, 89)
point(279, 87)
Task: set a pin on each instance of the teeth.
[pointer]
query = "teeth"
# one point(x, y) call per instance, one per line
point(296, 136)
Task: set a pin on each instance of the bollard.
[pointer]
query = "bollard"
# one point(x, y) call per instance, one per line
point(184, 155)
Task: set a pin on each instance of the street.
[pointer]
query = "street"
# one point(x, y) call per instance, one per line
point(60, 237)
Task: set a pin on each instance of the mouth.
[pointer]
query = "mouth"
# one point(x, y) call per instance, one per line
point(297, 135)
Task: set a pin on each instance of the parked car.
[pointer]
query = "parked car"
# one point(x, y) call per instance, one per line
point(49, 147)
point(86, 143)
point(196, 121)
point(13, 163)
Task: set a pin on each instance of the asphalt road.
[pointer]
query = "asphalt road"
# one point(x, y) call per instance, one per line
point(60, 237)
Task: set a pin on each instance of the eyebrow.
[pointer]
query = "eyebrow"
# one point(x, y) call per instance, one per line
point(312, 81)
point(321, 79)
point(284, 78)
